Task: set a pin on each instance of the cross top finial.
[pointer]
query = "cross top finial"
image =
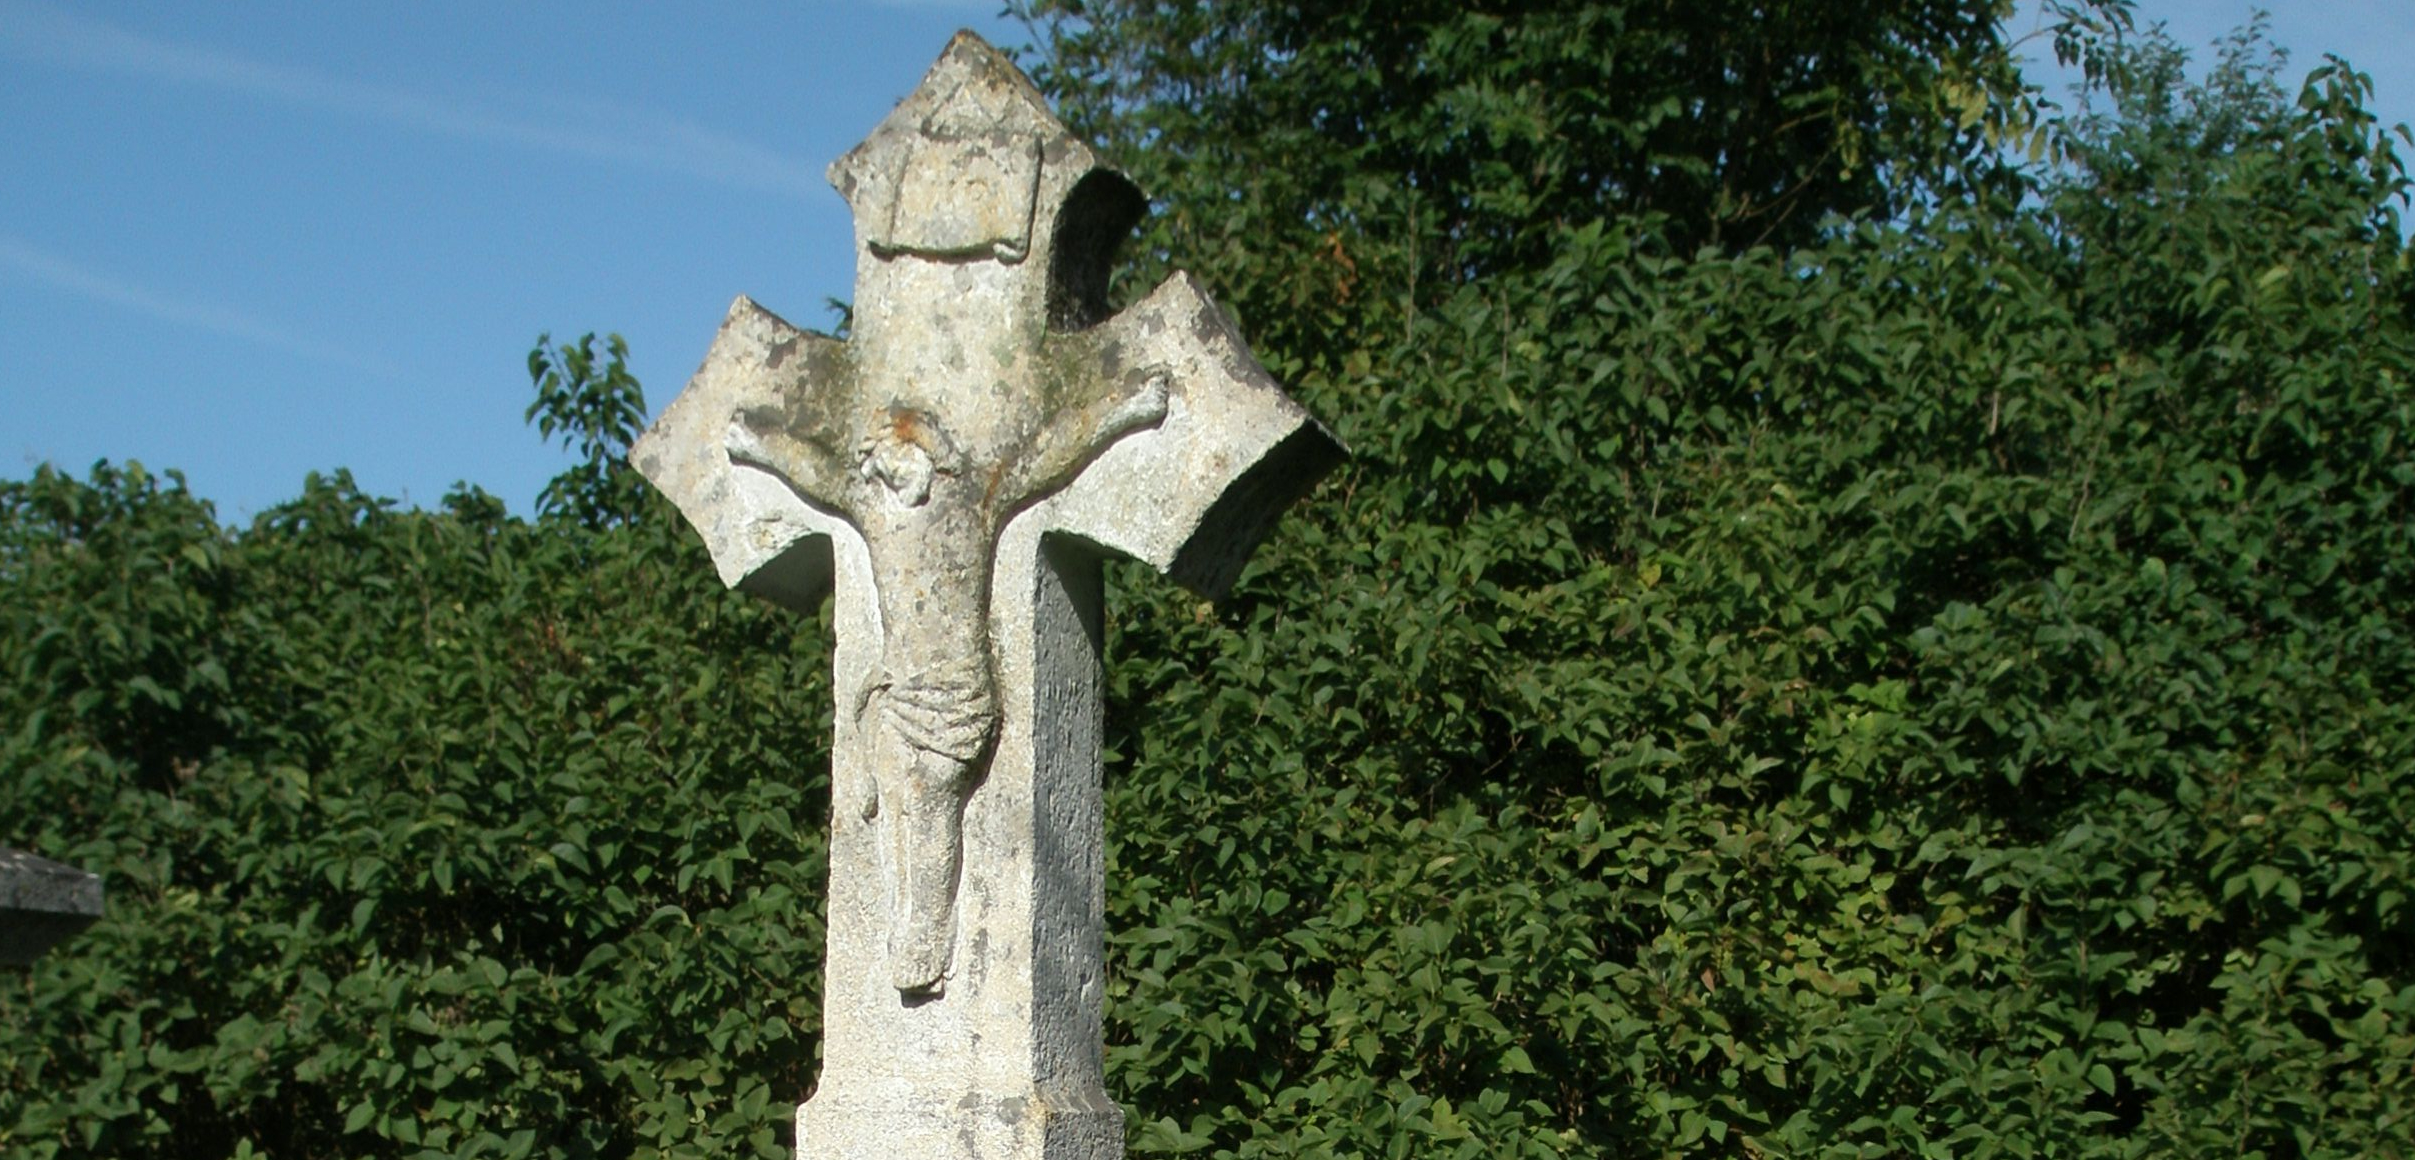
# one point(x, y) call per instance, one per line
point(972, 165)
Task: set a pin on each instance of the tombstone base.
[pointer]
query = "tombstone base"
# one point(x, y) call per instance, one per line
point(905, 1125)
point(24, 937)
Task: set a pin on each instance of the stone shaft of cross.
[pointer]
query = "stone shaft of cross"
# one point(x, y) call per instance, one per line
point(958, 466)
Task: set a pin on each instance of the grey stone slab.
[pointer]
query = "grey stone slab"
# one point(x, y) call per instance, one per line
point(41, 903)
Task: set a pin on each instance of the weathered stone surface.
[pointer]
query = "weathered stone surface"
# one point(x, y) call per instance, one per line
point(959, 465)
point(42, 902)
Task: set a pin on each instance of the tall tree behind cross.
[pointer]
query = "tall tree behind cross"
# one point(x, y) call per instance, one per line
point(960, 463)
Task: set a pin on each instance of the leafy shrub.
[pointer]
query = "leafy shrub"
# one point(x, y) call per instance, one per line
point(424, 833)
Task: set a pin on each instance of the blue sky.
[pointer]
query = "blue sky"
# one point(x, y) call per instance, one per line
point(251, 241)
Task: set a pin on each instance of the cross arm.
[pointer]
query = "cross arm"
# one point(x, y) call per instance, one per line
point(727, 452)
point(1194, 494)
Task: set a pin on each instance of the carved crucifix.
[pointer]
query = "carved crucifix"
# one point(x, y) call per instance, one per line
point(960, 463)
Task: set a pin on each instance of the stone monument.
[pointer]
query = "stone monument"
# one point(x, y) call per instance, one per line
point(42, 902)
point(958, 466)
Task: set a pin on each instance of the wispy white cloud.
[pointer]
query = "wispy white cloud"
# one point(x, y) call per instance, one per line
point(61, 273)
point(602, 131)
point(984, 8)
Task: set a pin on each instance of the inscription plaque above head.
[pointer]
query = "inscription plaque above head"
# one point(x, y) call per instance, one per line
point(955, 170)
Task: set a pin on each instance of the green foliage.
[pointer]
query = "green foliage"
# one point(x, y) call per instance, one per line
point(598, 412)
point(424, 834)
point(1738, 121)
point(1394, 151)
point(1934, 684)
point(1935, 689)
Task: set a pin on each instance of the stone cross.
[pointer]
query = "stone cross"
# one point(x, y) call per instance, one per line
point(959, 465)
point(42, 902)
